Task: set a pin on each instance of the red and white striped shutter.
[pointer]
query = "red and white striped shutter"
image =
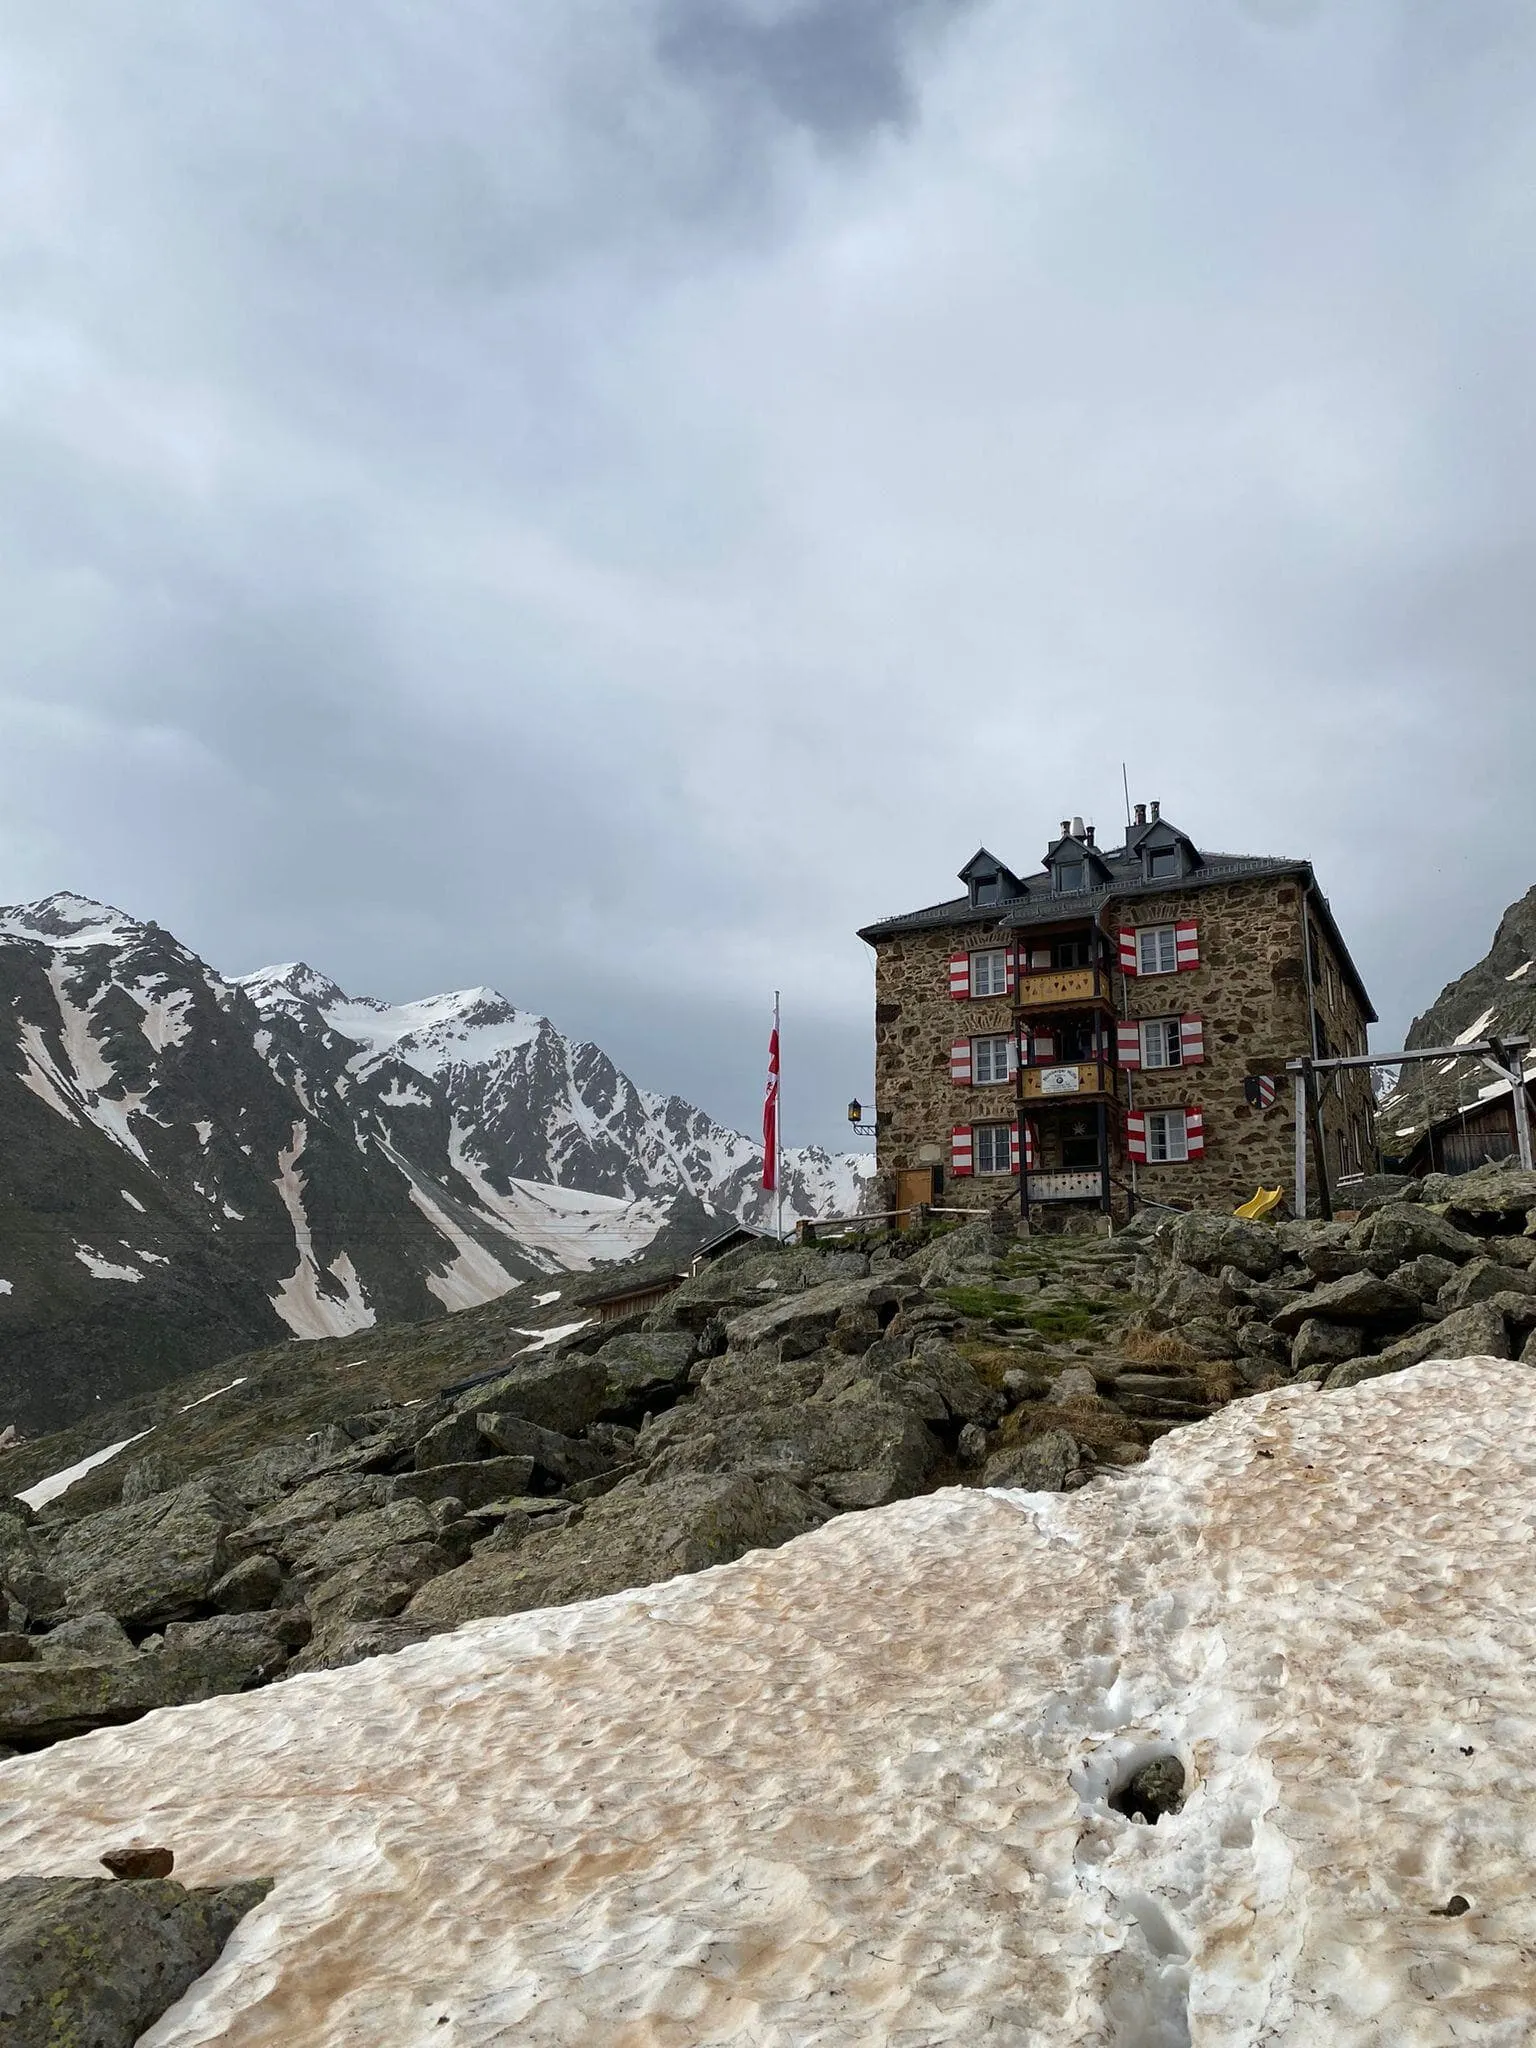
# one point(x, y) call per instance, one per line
point(1136, 1134)
point(1013, 1147)
point(960, 1149)
point(1194, 1132)
point(1192, 1041)
point(1128, 961)
point(1128, 1040)
point(1010, 971)
point(960, 1063)
point(1186, 946)
point(960, 976)
point(1031, 1148)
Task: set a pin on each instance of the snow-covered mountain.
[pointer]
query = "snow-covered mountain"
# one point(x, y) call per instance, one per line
point(1496, 998)
point(191, 1164)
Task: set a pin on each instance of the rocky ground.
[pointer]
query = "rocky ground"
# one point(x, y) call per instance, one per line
point(289, 1524)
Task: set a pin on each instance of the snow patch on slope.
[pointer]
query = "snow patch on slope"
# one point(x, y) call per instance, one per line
point(305, 1302)
point(100, 1268)
point(48, 1489)
point(886, 1814)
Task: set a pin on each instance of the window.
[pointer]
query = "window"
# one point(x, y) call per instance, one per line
point(989, 974)
point(986, 888)
point(989, 1061)
point(1162, 1043)
point(1156, 951)
point(993, 1148)
point(1071, 877)
point(1066, 953)
point(1162, 861)
point(1166, 1135)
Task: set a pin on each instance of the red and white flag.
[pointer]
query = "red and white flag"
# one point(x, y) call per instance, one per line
point(771, 1111)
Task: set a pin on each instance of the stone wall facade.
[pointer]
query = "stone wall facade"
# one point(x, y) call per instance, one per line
point(1253, 991)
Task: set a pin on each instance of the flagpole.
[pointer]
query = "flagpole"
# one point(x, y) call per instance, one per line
point(778, 1123)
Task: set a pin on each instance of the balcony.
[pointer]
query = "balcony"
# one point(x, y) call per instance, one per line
point(1070, 1081)
point(1064, 988)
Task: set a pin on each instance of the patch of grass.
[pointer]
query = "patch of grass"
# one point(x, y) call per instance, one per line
point(991, 1361)
point(1157, 1347)
point(1064, 1321)
point(988, 1304)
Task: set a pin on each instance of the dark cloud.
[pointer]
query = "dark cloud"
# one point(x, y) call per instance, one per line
point(839, 68)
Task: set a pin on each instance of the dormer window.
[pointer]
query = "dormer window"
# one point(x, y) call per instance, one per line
point(1162, 863)
point(986, 889)
point(1071, 877)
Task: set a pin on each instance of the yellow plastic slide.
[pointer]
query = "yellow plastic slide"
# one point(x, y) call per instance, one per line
point(1261, 1204)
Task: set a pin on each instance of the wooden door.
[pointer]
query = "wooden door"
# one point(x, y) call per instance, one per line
point(914, 1185)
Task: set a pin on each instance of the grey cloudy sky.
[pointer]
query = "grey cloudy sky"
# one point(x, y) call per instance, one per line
point(602, 497)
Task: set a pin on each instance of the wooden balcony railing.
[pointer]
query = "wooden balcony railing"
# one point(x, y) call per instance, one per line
point(1059, 986)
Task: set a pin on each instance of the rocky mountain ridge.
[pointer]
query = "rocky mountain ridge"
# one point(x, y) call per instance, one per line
point(1495, 998)
point(192, 1165)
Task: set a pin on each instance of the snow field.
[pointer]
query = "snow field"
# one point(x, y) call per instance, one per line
point(855, 1791)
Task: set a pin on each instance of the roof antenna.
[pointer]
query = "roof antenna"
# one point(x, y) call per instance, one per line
point(1125, 784)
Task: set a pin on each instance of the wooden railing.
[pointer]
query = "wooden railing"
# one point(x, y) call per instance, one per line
point(1062, 985)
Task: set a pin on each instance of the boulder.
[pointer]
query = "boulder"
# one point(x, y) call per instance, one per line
point(453, 1441)
point(1332, 1261)
point(92, 1639)
point(1043, 1465)
point(1492, 1197)
point(378, 1587)
point(28, 1580)
point(643, 1364)
point(48, 1702)
point(803, 1323)
point(1077, 1383)
point(857, 1449)
point(1424, 1276)
point(1210, 1242)
point(291, 1524)
point(1481, 1280)
point(1405, 1230)
point(152, 1562)
point(350, 1642)
point(561, 1460)
point(634, 1536)
point(90, 1962)
point(1477, 1332)
point(1357, 1298)
point(323, 1551)
point(473, 1484)
point(560, 1392)
point(251, 1585)
point(1320, 1342)
point(1528, 1350)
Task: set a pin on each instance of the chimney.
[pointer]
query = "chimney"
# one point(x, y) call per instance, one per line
point(1088, 832)
point(1066, 828)
point(1157, 810)
point(1077, 828)
point(1141, 814)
